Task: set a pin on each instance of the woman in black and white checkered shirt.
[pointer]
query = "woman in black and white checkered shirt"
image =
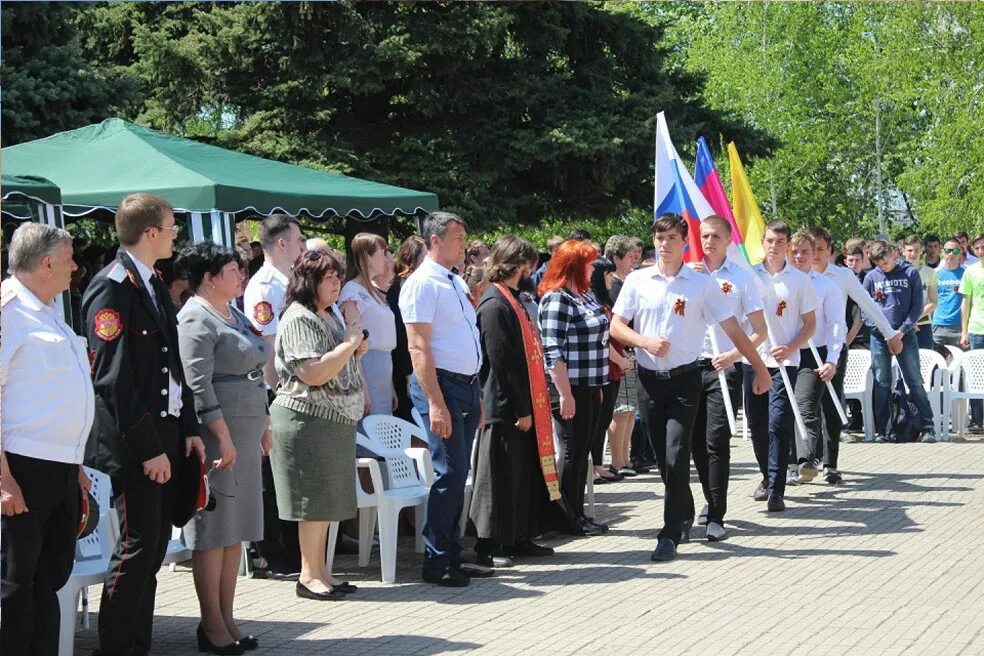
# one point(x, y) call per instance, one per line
point(575, 344)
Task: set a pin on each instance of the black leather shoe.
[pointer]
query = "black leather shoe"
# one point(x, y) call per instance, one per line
point(206, 645)
point(528, 549)
point(665, 551)
point(591, 527)
point(776, 504)
point(304, 592)
point(449, 577)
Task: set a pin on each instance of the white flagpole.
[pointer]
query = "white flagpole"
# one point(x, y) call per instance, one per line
point(785, 381)
point(830, 386)
point(729, 410)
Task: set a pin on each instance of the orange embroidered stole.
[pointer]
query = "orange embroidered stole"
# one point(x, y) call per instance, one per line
point(542, 419)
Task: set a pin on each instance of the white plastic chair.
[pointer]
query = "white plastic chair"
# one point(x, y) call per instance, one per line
point(177, 551)
point(969, 384)
point(408, 475)
point(92, 556)
point(936, 379)
point(859, 384)
point(367, 503)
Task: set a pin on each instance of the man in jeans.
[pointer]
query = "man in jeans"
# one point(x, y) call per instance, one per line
point(972, 336)
point(897, 289)
point(924, 328)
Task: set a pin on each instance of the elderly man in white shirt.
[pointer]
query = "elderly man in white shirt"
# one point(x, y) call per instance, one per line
point(671, 306)
point(811, 377)
point(789, 301)
point(48, 407)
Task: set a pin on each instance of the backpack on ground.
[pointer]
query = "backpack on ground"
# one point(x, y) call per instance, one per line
point(904, 419)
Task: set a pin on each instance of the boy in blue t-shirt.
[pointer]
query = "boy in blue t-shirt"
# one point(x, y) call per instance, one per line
point(946, 318)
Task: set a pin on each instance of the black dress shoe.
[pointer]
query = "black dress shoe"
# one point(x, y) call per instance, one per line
point(448, 577)
point(304, 592)
point(276, 575)
point(528, 549)
point(665, 550)
point(206, 645)
point(248, 643)
point(591, 527)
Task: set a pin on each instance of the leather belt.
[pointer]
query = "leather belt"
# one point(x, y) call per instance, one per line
point(464, 379)
point(705, 363)
point(251, 376)
point(675, 371)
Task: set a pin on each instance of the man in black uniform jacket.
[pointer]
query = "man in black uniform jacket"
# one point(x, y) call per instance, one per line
point(145, 416)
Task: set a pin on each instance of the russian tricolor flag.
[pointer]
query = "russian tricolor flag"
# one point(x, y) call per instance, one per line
point(677, 192)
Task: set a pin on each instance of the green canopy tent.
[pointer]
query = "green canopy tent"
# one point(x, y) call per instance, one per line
point(31, 198)
point(98, 165)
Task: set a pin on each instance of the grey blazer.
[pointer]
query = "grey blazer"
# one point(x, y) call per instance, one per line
point(216, 357)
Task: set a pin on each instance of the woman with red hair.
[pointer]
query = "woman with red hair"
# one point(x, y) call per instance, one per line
point(574, 331)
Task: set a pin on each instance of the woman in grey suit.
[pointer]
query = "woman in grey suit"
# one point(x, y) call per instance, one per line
point(222, 358)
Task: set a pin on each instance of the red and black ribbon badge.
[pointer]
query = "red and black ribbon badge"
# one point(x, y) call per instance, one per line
point(780, 308)
point(726, 287)
point(680, 306)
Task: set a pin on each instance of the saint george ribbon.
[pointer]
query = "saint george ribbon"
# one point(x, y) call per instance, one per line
point(542, 419)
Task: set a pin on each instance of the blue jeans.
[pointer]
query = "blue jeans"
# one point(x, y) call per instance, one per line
point(771, 425)
point(925, 336)
point(908, 359)
point(451, 459)
point(976, 406)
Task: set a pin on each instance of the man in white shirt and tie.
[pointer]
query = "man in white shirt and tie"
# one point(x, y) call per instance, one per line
point(671, 306)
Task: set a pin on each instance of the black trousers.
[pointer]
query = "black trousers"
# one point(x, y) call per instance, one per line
point(38, 549)
point(574, 437)
point(609, 397)
point(672, 413)
point(712, 440)
point(810, 392)
point(145, 509)
point(832, 424)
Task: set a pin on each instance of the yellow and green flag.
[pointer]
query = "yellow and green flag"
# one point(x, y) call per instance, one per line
point(746, 209)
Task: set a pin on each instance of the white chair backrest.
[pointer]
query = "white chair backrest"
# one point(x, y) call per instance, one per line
point(389, 437)
point(99, 543)
point(972, 366)
point(929, 361)
point(858, 367)
point(102, 487)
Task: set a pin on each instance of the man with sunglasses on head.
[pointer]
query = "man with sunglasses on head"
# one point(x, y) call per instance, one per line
point(145, 423)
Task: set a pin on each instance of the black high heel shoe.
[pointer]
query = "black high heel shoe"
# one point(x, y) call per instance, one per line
point(206, 645)
point(248, 643)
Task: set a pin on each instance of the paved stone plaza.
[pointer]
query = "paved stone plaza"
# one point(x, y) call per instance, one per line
point(891, 562)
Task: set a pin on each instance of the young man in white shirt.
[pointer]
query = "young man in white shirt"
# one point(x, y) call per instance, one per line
point(811, 393)
point(790, 302)
point(671, 306)
point(712, 433)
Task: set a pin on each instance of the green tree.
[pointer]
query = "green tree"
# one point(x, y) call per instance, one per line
point(48, 86)
point(510, 112)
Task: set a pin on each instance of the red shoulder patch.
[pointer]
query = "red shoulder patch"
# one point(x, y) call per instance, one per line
point(107, 325)
point(263, 313)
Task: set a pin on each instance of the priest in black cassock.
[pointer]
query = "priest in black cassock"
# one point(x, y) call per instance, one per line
point(515, 474)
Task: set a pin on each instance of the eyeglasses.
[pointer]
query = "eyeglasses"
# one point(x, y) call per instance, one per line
point(174, 228)
point(953, 251)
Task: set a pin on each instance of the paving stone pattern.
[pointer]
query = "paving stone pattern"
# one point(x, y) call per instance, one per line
point(890, 562)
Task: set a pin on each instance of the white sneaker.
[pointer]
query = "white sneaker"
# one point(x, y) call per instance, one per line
point(792, 476)
point(702, 517)
point(715, 532)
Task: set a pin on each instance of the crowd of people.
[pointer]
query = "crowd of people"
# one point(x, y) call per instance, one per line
point(254, 371)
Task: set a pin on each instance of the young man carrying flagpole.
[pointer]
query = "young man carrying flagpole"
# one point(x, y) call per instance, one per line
point(671, 306)
point(712, 434)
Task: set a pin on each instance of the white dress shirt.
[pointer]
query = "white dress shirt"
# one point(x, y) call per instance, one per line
point(786, 296)
point(741, 296)
point(679, 309)
point(849, 285)
point(263, 300)
point(434, 295)
point(47, 398)
point(831, 322)
point(174, 402)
